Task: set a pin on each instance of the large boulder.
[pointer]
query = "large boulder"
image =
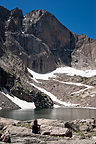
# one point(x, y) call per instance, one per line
point(43, 101)
point(72, 126)
point(55, 131)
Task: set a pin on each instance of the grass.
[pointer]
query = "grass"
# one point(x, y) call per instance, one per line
point(26, 125)
point(84, 79)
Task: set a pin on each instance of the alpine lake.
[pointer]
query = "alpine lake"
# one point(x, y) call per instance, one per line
point(66, 114)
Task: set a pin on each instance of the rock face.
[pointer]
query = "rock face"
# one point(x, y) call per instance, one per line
point(42, 42)
point(34, 53)
point(46, 27)
point(84, 54)
point(6, 80)
point(1, 49)
point(67, 48)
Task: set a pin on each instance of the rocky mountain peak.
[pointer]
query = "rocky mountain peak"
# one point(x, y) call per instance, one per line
point(4, 13)
point(16, 13)
point(56, 36)
point(36, 14)
point(42, 42)
point(14, 23)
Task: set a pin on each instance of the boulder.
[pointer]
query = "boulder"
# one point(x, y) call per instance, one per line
point(42, 101)
point(72, 126)
point(55, 131)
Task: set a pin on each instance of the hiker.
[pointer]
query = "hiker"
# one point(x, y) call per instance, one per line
point(6, 137)
point(36, 127)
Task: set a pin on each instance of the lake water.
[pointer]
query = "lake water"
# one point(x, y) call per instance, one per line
point(56, 113)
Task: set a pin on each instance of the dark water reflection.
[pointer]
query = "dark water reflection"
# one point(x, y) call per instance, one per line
point(56, 113)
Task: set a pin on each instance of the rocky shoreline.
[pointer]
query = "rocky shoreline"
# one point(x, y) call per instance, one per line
point(52, 131)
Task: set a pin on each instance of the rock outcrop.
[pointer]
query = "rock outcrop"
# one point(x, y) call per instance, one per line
point(42, 101)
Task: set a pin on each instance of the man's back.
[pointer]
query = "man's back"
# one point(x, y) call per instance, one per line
point(35, 129)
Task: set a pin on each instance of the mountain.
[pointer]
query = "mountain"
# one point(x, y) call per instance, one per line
point(38, 41)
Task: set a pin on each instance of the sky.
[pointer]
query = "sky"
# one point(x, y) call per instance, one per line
point(79, 16)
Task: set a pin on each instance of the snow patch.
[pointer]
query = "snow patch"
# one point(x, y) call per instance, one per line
point(63, 70)
point(22, 31)
point(35, 80)
point(82, 90)
point(9, 20)
point(56, 106)
point(21, 103)
point(41, 76)
point(20, 53)
point(77, 84)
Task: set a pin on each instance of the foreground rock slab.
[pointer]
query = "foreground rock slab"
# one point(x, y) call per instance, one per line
point(52, 132)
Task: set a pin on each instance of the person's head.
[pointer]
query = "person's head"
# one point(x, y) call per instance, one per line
point(35, 122)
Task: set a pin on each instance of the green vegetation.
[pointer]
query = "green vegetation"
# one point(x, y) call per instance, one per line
point(84, 79)
point(27, 125)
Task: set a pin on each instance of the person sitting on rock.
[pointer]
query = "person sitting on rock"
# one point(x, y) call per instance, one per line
point(36, 127)
point(6, 137)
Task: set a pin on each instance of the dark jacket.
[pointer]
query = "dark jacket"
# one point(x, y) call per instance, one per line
point(36, 127)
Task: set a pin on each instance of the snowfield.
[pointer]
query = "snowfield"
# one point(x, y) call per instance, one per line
point(37, 76)
point(63, 70)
